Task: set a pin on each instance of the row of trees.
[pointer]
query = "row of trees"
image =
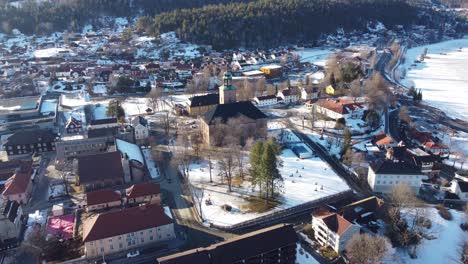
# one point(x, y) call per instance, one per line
point(264, 168)
point(272, 22)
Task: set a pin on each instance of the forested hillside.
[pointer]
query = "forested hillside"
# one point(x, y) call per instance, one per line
point(272, 22)
point(49, 16)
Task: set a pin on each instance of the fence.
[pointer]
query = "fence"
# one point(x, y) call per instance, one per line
point(281, 215)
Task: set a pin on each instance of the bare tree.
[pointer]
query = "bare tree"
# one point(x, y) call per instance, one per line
point(183, 154)
point(366, 249)
point(198, 194)
point(356, 89)
point(154, 99)
point(227, 166)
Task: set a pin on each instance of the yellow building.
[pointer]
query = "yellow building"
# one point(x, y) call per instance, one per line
point(330, 90)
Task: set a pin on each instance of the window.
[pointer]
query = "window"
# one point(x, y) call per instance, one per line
point(111, 247)
point(120, 245)
point(151, 238)
point(102, 250)
point(142, 240)
point(129, 243)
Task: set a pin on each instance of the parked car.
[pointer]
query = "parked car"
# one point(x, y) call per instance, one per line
point(133, 254)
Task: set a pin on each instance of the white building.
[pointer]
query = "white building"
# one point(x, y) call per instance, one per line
point(125, 229)
point(459, 186)
point(140, 126)
point(267, 100)
point(309, 93)
point(290, 96)
point(331, 229)
point(384, 175)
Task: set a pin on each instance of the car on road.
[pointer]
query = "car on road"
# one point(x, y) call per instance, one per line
point(133, 254)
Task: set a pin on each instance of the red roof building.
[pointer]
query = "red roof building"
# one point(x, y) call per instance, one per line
point(102, 199)
point(19, 186)
point(122, 230)
point(147, 192)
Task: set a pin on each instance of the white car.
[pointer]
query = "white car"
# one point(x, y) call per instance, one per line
point(133, 254)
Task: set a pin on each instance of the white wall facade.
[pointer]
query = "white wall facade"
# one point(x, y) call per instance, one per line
point(383, 183)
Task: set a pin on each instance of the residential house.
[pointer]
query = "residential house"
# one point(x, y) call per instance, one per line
point(267, 100)
point(291, 95)
point(68, 148)
point(426, 162)
point(383, 141)
point(309, 93)
point(11, 221)
point(330, 90)
point(276, 244)
point(99, 171)
point(337, 108)
point(459, 186)
point(146, 192)
point(140, 129)
point(19, 186)
point(24, 143)
point(363, 211)
point(332, 230)
point(102, 199)
point(125, 229)
point(73, 125)
point(385, 174)
point(436, 148)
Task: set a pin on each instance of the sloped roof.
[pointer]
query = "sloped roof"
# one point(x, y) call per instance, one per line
point(124, 221)
point(139, 120)
point(100, 166)
point(203, 100)
point(103, 121)
point(102, 196)
point(224, 112)
point(241, 247)
point(390, 167)
point(143, 189)
point(336, 223)
point(33, 136)
point(463, 186)
point(18, 183)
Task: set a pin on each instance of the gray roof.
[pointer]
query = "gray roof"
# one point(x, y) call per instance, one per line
point(390, 167)
point(226, 111)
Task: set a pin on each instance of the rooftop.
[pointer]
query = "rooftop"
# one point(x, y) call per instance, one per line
point(128, 220)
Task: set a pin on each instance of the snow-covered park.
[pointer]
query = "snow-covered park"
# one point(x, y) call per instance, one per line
point(304, 180)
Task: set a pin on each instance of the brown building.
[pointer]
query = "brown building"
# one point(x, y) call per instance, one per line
point(276, 244)
point(100, 171)
point(217, 123)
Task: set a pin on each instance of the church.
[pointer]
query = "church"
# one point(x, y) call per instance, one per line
point(241, 120)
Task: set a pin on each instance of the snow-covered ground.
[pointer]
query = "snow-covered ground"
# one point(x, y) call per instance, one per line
point(134, 106)
point(316, 56)
point(302, 257)
point(304, 180)
point(442, 76)
point(443, 249)
point(50, 52)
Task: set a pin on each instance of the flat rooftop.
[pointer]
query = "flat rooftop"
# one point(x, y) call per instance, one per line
point(19, 104)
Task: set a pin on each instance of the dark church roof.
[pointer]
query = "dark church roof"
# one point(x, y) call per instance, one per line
point(226, 111)
point(202, 100)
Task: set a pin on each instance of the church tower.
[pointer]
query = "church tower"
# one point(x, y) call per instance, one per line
point(227, 92)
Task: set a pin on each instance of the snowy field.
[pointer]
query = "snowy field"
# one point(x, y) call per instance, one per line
point(304, 180)
point(316, 56)
point(443, 249)
point(443, 76)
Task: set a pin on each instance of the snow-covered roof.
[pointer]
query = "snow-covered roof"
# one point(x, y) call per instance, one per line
point(133, 151)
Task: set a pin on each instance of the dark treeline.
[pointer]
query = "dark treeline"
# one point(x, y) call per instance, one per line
point(271, 22)
point(51, 16)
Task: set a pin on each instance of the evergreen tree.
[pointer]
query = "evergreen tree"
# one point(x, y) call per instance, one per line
point(256, 164)
point(115, 109)
point(270, 172)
